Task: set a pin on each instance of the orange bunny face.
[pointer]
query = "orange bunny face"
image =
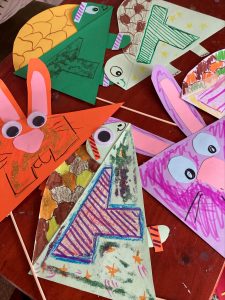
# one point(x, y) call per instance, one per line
point(32, 147)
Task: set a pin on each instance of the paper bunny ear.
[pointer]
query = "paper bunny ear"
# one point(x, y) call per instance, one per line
point(169, 92)
point(38, 87)
point(9, 109)
point(145, 142)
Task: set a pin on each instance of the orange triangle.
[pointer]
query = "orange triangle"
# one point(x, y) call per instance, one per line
point(22, 172)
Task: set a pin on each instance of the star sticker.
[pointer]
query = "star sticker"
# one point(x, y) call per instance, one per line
point(143, 297)
point(203, 26)
point(189, 25)
point(87, 275)
point(137, 258)
point(172, 18)
point(164, 53)
point(112, 270)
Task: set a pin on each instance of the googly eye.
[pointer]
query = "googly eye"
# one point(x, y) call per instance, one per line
point(182, 169)
point(116, 71)
point(11, 129)
point(92, 10)
point(206, 144)
point(104, 136)
point(36, 120)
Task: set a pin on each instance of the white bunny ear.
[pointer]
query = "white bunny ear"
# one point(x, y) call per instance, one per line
point(9, 108)
point(39, 87)
point(169, 92)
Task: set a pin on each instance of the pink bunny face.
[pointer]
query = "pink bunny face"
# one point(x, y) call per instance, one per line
point(188, 178)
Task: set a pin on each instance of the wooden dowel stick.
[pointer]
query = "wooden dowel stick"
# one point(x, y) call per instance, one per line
point(27, 256)
point(138, 112)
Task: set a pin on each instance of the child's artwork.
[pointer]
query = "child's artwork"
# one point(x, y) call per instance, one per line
point(65, 39)
point(189, 177)
point(102, 246)
point(160, 32)
point(204, 85)
point(32, 147)
point(63, 189)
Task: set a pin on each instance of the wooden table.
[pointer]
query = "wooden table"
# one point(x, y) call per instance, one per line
point(188, 268)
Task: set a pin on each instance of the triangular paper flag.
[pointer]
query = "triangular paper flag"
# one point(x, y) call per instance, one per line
point(204, 85)
point(76, 62)
point(102, 246)
point(188, 177)
point(32, 147)
point(160, 32)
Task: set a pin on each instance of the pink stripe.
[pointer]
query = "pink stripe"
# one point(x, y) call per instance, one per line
point(117, 42)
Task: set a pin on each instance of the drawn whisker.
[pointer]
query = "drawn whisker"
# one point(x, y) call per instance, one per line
point(58, 127)
point(199, 199)
point(57, 123)
point(192, 203)
point(223, 198)
point(3, 165)
point(3, 159)
point(5, 153)
point(62, 130)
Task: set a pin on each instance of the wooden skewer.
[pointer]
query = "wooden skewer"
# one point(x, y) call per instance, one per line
point(27, 256)
point(138, 112)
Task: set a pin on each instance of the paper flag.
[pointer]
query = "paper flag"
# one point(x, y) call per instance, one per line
point(204, 85)
point(102, 246)
point(160, 32)
point(76, 61)
point(31, 148)
point(188, 177)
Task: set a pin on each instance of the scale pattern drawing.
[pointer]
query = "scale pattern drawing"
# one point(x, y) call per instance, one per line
point(97, 218)
point(157, 30)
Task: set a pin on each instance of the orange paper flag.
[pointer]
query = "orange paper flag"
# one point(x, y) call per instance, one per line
point(32, 147)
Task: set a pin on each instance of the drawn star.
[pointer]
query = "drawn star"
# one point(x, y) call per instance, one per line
point(137, 258)
point(203, 26)
point(110, 249)
point(179, 14)
point(143, 297)
point(189, 25)
point(87, 275)
point(164, 53)
point(112, 270)
point(172, 18)
point(64, 269)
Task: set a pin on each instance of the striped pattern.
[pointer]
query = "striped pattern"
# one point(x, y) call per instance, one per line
point(157, 30)
point(154, 233)
point(105, 81)
point(116, 45)
point(94, 147)
point(214, 97)
point(80, 12)
point(95, 219)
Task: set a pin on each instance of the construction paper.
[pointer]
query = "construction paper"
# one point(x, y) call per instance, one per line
point(31, 148)
point(160, 32)
point(42, 33)
point(163, 232)
point(155, 237)
point(76, 62)
point(204, 85)
point(145, 142)
point(188, 178)
point(219, 292)
point(63, 189)
point(102, 246)
point(186, 116)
